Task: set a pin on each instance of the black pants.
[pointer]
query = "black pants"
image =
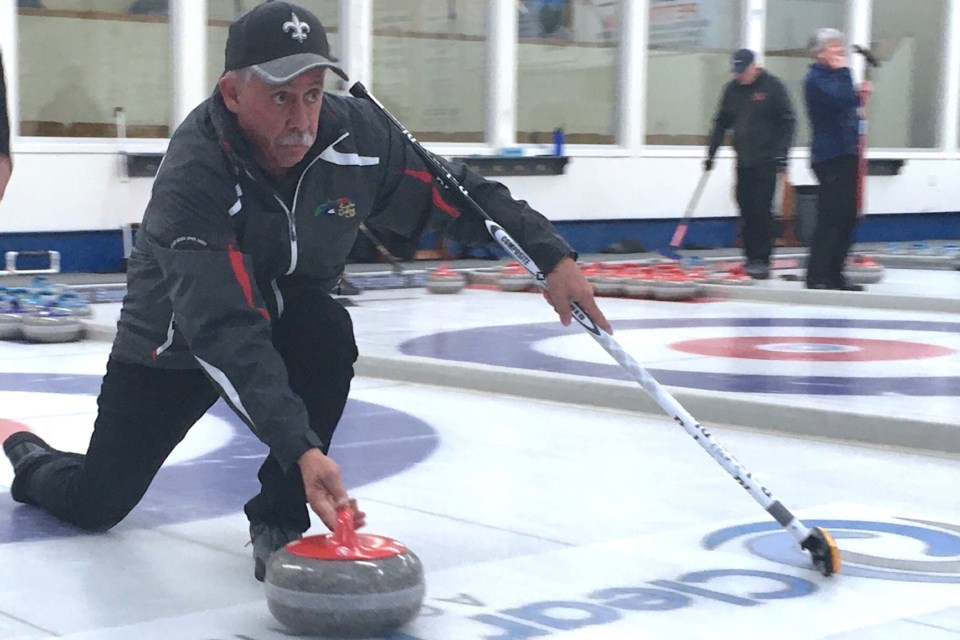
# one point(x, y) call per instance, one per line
point(755, 188)
point(836, 220)
point(144, 412)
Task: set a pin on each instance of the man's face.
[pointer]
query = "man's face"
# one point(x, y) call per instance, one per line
point(280, 120)
point(833, 51)
point(749, 74)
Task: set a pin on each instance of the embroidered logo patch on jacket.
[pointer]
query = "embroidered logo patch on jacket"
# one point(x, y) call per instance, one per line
point(343, 207)
point(346, 208)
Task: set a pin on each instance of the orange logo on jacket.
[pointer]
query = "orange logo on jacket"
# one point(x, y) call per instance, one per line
point(758, 96)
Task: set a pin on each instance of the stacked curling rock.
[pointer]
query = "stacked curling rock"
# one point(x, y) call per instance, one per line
point(671, 282)
point(862, 269)
point(344, 584)
point(513, 277)
point(637, 278)
point(443, 279)
point(11, 311)
point(608, 279)
point(638, 282)
point(51, 324)
point(42, 312)
point(592, 272)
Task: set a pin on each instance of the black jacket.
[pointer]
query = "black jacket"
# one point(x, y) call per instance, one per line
point(219, 250)
point(761, 117)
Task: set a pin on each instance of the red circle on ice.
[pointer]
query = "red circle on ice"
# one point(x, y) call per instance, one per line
point(818, 348)
point(9, 427)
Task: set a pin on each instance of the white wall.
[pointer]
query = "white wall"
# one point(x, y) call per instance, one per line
point(53, 190)
point(661, 187)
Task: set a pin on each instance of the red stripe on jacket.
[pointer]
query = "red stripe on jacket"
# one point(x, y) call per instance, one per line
point(438, 201)
point(243, 279)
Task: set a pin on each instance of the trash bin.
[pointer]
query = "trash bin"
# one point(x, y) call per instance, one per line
point(805, 198)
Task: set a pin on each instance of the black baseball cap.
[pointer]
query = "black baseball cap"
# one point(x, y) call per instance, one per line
point(742, 58)
point(279, 41)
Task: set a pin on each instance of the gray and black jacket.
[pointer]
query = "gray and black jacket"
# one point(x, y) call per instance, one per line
point(220, 248)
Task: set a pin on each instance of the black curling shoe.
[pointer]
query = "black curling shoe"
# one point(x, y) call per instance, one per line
point(23, 447)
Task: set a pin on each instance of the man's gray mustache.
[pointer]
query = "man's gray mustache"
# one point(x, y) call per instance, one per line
point(304, 138)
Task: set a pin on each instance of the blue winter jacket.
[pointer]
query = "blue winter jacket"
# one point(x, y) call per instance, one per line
point(832, 109)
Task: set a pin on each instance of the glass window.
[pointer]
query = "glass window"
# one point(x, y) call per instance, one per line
point(567, 70)
point(790, 25)
point(429, 66)
point(688, 64)
point(222, 12)
point(909, 40)
point(81, 60)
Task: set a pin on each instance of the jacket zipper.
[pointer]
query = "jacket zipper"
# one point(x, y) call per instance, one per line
point(293, 230)
point(291, 224)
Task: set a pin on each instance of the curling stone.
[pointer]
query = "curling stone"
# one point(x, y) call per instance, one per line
point(514, 277)
point(51, 325)
point(674, 288)
point(607, 283)
point(699, 278)
point(591, 272)
point(699, 275)
point(639, 283)
point(862, 269)
point(9, 326)
point(443, 279)
point(10, 314)
point(344, 584)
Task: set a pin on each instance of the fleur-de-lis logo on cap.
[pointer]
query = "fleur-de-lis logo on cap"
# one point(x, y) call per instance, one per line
point(299, 30)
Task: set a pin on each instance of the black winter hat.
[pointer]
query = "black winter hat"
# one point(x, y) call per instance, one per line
point(279, 41)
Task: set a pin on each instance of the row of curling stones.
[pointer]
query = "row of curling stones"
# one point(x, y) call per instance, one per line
point(344, 584)
point(44, 293)
point(665, 281)
point(862, 269)
point(37, 323)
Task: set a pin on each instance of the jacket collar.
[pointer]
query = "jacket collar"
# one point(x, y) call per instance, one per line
point(760, 79)
point(234, 144)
